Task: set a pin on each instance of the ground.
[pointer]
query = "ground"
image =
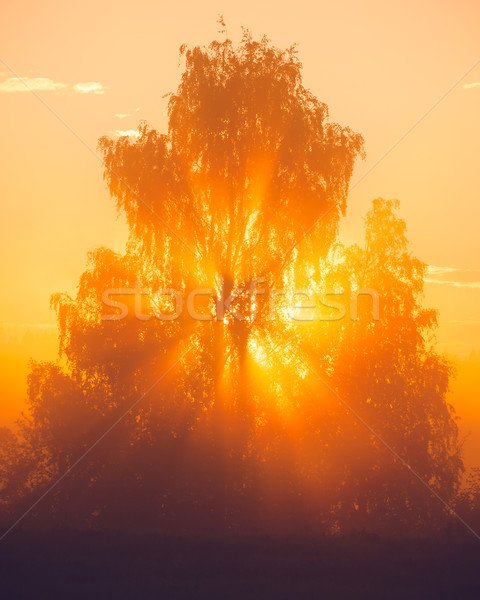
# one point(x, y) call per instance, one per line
point(98, 565)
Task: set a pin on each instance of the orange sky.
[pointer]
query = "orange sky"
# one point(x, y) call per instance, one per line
point(378, 65)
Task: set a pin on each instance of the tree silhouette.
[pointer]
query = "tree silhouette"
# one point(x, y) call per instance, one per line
point(250, 161)
point(244, 435)
point(389, 373)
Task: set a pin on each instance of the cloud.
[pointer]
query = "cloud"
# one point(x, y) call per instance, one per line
point(469, 86)
point(127, 132)
point(435, 270)
point(457, 284)
point(437, 274)
point(27, 84)
point(125, 115)
point(464, 278)
point(90, 87)
point(45, 84)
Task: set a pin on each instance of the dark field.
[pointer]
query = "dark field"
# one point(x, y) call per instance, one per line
point(93, 565)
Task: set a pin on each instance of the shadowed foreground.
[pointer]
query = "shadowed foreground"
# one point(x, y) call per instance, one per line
point(72, 565)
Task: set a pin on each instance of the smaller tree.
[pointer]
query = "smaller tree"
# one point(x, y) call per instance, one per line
point(390, 374)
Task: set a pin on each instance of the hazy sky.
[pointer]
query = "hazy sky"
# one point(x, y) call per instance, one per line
point(380, 66)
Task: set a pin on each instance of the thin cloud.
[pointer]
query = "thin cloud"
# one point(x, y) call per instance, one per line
point(90, 87)
point(125, 115)
point(469, 86)
point(127, 133)
point(45, 84)
point(437, 276)
point(457, 284)
point(436, 270)
point(27, 84)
